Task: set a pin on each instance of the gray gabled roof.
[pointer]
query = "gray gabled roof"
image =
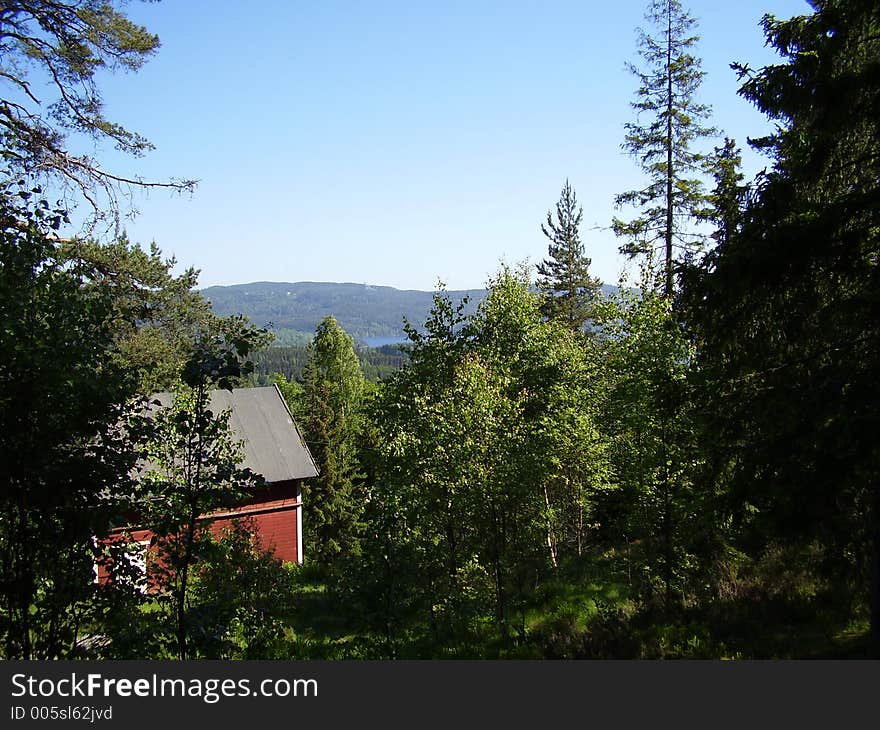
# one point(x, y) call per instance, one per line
point(260, 419)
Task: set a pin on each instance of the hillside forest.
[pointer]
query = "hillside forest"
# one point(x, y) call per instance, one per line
point(679, 466)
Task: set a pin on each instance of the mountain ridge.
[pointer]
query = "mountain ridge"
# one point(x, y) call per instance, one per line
point(293, 309)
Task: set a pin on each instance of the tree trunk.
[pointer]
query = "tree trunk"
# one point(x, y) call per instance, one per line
point(667, 543)
point(498, 572)
point(25, 584)
point(580, 529)
point(181, 598)
point(551, 539)
point(182, 623)
point(668, 550)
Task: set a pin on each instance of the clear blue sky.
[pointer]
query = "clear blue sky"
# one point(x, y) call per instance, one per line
point(398, 143)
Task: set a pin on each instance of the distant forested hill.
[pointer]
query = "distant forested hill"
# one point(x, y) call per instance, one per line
point(293, 310)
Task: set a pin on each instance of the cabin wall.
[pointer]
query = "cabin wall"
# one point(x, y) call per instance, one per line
point(274, 522)
point(274, 516)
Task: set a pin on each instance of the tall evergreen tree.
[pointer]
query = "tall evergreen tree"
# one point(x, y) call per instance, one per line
point(564, 277)
point(789, 306)
point(663, 143)
point(334, 391)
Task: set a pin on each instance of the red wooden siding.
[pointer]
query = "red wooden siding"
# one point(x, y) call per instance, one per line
point(273, 514)
point(274, 525)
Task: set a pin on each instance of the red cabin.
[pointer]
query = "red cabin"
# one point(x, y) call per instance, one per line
point(272, 447)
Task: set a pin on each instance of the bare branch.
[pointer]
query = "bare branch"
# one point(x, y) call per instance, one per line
point(21, 84)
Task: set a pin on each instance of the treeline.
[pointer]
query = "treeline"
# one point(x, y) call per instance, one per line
point(377, 363)
point(293, 310)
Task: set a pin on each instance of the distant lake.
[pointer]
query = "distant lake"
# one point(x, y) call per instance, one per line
point(382, 341)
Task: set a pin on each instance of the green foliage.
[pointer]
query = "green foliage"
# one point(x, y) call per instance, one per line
point(652, 436)
point(193, 469)
point(673, 198)
point(475, 496)
point(286, 361)
point(294, 395)
point(333, 394)
point(63, 463)
point(697, 479)
point(241, 597)
point(728, 198)
point(564, 277)
point(285, 337)
point(79, 321)
point(377, 363)
point(220, 354)
point(157, 316)
point(786, 311)
point(193, 465)
point(72, 319)
point(240, 601)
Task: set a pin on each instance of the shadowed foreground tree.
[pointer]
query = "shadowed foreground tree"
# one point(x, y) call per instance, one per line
point(787, 309)
point(729, 196)
point(194, 469)
point(62, 461)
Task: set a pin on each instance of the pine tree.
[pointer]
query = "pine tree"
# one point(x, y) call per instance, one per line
point(54, 55)
point(674, 198)
point(564, 277)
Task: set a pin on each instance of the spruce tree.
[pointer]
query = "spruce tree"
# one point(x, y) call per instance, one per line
point(669, 120)
point(788, 307)
point(564, 277)
point(729, 195)
point(334, 391)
